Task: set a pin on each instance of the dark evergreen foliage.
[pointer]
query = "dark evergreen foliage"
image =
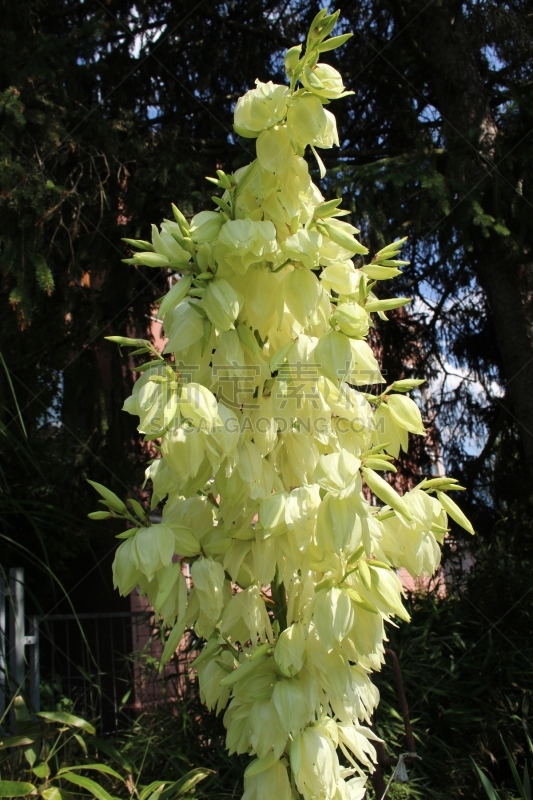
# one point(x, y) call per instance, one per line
point(110, 111)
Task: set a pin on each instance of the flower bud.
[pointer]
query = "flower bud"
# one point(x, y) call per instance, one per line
point(245, 617)
point(205, 227)
point(333, 616)
point(175, 296)
point(311, 747)
point(208, 578)
point(222, 304)
point(333, 355)
point(306, 119)
point(351, 319)
point(165, 243)
point(260, 108)
point(405, 413)
point(210, 673)
point(338, 474)
point(385, 592)
point(324, 81)
point(289, 699)
point(387, 433)
point(267, 733)
point(243, 242)
point(270, 781)
point(184, 451)
point(290, 649)
point(292, 57)
point(184, 326)
point(342, 234)
point(153, 549)
point(272, 513)
point(303, 247)
point(328, 136)
point(341, 277)
point(274, 149)
point(199, 406)
point(365, 367)
point(357, 739)
point(126, 575)
point(338, 524)
point(169, 594)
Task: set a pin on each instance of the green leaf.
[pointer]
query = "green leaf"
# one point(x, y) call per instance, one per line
point(145, 259)
point(387, 305)
point(260, 764)
point(86, 783)
point(140, 244)
point(53, 793)
point(180, 219)
point(242, 670)
point(380, 463)
point(358, 600)
point(526, 783)
point(406, 385)
point(99, 515)
point(280, 356)
point(124, 341)
point(41, 770)
point(364, 573)
point(327, 209)
point(446, 484)
point(81, 741)
point(189, 781)
point(15, 788)
point(173, 641)
point(148, 365)
point(110, 497)
point(386, 492)
point(334, 42)
point(15, 741)
point(137, 508)
point(516, 776)
point(127, 534)
point(115, 754)
point(97, 767)
point(379, 273)
point(156, 787)
point(261, 650)
point(455, 512)
point(66, 719)
point(175, 295)
point(489, 789)
point(30, 754)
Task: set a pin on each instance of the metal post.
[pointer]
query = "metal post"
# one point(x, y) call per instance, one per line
point(3, 592)
point(35, 664)
point(16, 629)
point(377, 779)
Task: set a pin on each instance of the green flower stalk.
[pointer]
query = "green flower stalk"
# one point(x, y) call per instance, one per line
point(270, 452)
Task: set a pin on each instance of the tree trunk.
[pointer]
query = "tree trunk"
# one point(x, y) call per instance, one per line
point(451, 49)
point(509, 290)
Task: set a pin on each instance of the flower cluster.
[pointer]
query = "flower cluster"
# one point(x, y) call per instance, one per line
point(270, 451)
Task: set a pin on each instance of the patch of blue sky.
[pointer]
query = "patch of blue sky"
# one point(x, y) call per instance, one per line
point(53, 414)
point(140, 41)
point(455, 379)
point(491, 54)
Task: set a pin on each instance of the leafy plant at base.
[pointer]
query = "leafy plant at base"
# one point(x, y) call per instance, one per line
point(54, 751)
point(523, 784)
point(270, 456)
